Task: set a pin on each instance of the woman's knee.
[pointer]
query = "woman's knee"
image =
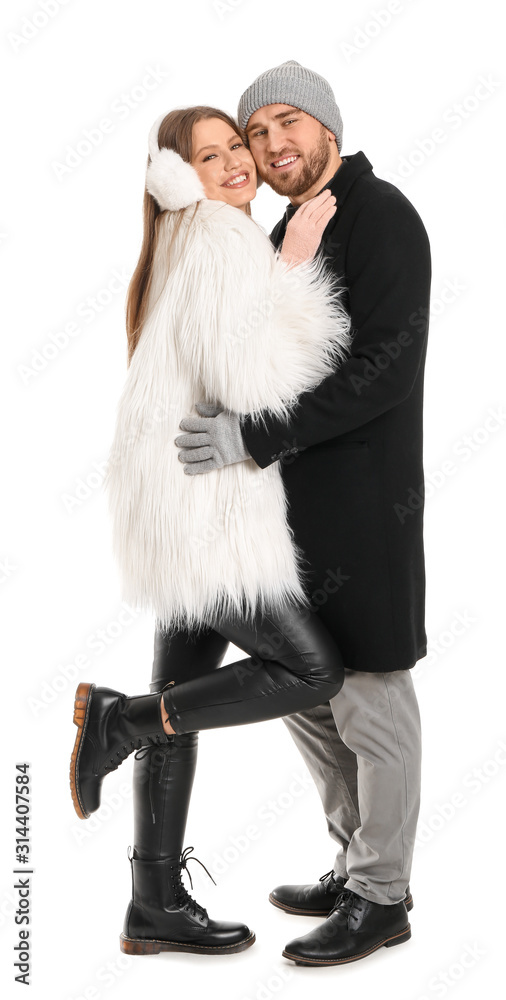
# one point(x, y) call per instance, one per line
point(336, 684)
point(328, 671)
point(319, 654)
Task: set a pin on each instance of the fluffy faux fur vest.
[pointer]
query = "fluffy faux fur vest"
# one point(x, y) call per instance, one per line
point(228, 322)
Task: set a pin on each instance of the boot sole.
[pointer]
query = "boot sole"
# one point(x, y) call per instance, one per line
point(153, 946)
point(399, 938)
point(318, 913)
point(82, 702)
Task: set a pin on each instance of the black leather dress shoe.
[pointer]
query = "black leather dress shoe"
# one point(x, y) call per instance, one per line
point(109, 727)
point(354, 929)
point(162, 916)
point(318, 898)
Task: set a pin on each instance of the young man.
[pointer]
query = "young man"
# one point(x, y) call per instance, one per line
point(351, 460)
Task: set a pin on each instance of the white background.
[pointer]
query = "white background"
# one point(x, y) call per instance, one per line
point(61, 242)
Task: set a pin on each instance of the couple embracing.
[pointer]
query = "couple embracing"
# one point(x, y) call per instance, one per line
point(267, 437)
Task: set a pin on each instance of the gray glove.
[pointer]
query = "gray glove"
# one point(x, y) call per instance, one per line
point(214, 440)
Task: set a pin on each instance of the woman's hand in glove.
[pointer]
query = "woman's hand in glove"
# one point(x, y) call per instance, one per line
point(305, 229)
point(213, 440)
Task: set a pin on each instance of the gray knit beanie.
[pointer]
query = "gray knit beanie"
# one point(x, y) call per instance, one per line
point(293, 84)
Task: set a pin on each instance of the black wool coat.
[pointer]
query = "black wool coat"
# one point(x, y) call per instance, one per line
point(351, 456)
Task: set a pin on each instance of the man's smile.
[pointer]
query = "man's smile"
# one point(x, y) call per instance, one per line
point(285, 162)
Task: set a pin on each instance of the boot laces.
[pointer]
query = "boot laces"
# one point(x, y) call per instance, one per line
point(133, 744)
point(181, 895)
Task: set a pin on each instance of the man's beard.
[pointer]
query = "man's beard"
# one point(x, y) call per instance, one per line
point(312, 169)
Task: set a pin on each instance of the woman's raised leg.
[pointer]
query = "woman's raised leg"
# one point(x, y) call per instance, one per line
point(293, 664)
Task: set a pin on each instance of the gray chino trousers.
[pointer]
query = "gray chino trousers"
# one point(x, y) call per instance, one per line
point(363, 751)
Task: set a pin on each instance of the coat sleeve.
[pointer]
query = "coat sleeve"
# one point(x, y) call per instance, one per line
point(388, 272)
point(255, 332)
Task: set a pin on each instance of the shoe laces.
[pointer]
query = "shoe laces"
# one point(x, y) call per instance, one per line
point(344, 901)
point(328, 876)
point(126, 749)
point(181, 895)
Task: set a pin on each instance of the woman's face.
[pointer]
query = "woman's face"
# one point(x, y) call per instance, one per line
point(224, 164)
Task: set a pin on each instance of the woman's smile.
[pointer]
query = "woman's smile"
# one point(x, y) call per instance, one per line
point(237, 180)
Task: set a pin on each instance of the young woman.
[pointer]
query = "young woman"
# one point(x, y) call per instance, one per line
point(215, 318)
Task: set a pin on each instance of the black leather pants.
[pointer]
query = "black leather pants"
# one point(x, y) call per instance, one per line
point(293, 664)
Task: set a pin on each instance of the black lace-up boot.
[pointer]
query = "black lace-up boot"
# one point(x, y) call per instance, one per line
point(162, 787)
point(317, 898)
point(162, 916)
point(109, 727)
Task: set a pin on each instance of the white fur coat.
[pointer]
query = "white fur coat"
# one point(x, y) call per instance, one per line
point(228, 322)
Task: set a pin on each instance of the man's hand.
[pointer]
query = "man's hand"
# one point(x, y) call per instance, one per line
point(214, 440)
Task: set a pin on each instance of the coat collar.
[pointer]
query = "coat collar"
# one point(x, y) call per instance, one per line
point(342, 181)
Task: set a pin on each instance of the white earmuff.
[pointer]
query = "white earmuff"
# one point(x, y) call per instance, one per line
point(172, 182)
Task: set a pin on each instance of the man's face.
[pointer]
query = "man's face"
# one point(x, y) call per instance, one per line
point(291, 148)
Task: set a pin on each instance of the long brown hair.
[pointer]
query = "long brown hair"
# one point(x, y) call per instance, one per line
point(175, 132)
